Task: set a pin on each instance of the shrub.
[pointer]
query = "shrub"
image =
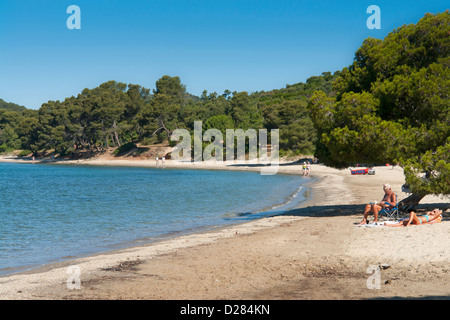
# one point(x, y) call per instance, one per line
point(124, 148)
point(24, 153)
point(5, 149)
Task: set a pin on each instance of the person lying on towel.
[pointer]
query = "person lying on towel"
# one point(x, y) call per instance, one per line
point(433, 216)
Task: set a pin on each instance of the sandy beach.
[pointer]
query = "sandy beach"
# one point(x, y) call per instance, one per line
point(313, 252)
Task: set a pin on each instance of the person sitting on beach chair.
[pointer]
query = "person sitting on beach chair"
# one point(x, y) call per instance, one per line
point(389, 200)
point(304, 168)
point(430, 217)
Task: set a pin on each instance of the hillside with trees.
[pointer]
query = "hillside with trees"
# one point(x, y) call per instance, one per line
point(392, 106)
point(11, 106)
point(115, 114)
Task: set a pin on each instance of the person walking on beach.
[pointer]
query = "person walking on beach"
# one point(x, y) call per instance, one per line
point(304, 168)
point(389, 200)
point(157, 161)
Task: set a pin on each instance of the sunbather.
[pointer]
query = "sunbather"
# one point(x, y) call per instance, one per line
point(389, 200)
point(430, 217)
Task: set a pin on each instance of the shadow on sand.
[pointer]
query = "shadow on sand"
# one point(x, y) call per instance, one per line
point(355, 209)
point(256, 165)
point(413, 298)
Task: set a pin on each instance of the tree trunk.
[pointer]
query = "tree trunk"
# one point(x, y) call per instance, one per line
point(410, 202)
point(113, 141)
point(116, 135)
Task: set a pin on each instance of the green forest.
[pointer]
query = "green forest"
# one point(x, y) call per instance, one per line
point(391, 105)
point(115, 114)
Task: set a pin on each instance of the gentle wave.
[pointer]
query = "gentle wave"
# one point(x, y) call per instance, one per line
point(288, 204)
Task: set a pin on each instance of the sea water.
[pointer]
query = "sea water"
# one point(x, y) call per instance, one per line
point(49, 213)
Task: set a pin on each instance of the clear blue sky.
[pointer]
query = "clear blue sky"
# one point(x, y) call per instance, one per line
point(214, 45)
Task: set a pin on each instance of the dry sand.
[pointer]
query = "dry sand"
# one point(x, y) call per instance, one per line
point(313, 252)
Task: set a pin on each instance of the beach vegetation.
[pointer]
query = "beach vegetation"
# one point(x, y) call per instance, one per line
point(392, 106)
point(127, 147)
point(115, 114)
point(24, 153)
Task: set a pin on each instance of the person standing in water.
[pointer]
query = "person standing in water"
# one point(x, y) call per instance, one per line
point(304, 168)
point(389, 200)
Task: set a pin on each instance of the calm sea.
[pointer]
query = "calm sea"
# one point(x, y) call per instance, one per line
point(49, 213)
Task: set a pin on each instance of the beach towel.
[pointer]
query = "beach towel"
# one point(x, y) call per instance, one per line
point(373, 225)
point(437, 220)
point(378, 224)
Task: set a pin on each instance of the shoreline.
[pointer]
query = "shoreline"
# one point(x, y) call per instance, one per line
point(330, 212)
point(150, 240)
point(207, 166)
point(141, 242)
point(237, 165)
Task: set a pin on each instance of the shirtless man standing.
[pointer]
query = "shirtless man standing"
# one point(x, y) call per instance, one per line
point(389, 197)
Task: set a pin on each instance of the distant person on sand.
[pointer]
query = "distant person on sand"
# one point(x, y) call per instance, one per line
point(430, 217)
point(163, 159)
point(157, 161)
point(388, 201)
point(304, 168)
point(308, 168)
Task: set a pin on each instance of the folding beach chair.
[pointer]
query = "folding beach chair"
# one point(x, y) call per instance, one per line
point(390, 213)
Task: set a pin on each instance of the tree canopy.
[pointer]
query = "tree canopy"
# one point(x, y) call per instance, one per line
point(115, 113)
point(10, 106)
point(392, 106)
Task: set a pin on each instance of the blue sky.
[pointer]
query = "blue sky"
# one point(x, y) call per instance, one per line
point(213, 45)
